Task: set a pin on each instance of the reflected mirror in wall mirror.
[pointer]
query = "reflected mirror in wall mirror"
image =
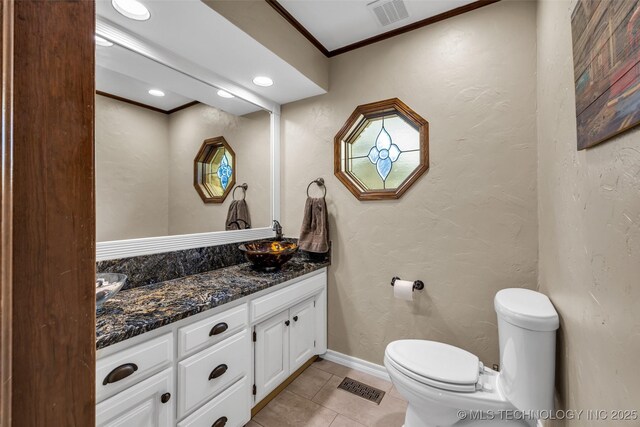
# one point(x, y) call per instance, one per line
point(151, 121)
point(381, 150)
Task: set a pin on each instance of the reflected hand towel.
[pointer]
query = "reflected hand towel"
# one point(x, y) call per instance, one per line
point(238, 216)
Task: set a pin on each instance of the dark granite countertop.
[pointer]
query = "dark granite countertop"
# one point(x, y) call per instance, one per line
point(136, 311)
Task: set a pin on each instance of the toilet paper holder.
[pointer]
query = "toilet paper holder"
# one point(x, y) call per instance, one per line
point(418, 285)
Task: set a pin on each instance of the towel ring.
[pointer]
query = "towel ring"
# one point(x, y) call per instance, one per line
point(244, 191)
point(320, 183)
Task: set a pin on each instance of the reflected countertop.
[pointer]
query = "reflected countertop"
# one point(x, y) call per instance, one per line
point(135, 311)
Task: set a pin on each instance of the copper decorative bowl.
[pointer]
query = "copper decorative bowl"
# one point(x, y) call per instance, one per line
point(267, 255)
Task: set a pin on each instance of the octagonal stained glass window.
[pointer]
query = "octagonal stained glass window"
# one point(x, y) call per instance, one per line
point(214, 170)
point(381, 150)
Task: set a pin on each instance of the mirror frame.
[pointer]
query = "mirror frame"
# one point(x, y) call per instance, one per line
point(153, 245)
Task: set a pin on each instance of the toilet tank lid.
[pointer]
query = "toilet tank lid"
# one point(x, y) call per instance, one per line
point(527, 309)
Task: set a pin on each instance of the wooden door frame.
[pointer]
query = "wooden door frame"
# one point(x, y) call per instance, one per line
point(6, 210)
point(47, 241)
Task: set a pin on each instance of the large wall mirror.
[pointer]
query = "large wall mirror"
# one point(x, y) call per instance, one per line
point(154, 114)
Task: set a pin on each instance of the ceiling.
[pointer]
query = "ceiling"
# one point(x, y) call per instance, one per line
point(197, 33)
point(129, 75)
point(129, 87)
point(339, 23)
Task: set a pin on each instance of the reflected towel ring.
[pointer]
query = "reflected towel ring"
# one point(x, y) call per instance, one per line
point(244, 191)
point(320, 183)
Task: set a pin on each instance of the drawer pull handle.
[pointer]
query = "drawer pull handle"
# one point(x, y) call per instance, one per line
point(218, 371)
point(218, 329)
point(165, 397)
point(120, 373)
point(295, 318)
point(287, 323)
point(220, 422)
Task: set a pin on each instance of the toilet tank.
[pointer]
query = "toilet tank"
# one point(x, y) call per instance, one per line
point(527, 324)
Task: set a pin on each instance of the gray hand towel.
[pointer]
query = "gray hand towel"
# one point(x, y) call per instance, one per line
point(314, 234)
point(238, 216)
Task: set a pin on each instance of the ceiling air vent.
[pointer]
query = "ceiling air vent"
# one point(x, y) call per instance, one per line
point(389, 11)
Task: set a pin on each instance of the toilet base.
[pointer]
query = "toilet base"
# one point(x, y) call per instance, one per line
point(422, 417)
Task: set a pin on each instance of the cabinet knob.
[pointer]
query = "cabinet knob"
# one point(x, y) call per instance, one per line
point(286, 322)
point(295, 318)
point(120, 373)
point(218, 371)
point(220, 422)
point(218, 329)
point(165, 397)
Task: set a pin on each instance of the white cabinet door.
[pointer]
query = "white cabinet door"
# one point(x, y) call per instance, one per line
point(140, 405)
point(302, 334)
point(271, 353)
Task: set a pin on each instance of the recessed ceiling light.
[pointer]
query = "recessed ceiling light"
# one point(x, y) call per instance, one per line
point(263, 81)
point(132, 9)
point(156, 92)
point(224, 94)
point(103, 42)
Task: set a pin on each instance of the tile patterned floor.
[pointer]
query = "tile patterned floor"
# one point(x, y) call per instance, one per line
point(313, 400)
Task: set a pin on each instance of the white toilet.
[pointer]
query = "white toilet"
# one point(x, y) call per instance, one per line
point(446, 385)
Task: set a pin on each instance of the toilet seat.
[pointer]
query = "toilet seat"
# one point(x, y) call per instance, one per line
point(436, 364)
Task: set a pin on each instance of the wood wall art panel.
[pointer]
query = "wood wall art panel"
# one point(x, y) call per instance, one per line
point(606, 58)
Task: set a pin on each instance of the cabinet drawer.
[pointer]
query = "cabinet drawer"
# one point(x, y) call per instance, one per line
point(275, 302)
point(207, 373)
point(211, 330)
point(120, 370)
point(141, 405)
point(233, 404)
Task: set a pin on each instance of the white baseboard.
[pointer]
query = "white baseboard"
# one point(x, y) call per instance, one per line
point(357, 364)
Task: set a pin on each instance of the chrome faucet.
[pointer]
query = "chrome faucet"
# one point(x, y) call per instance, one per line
point(278, 229)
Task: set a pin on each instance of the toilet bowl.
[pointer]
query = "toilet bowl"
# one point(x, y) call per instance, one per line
point(445, 385)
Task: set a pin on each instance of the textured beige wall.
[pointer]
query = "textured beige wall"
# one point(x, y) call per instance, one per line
point(589, 235)
point(468, 227)
point(248, 136)
point(132, 149)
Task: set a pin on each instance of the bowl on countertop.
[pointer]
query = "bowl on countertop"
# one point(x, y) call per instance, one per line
point(107, 285)
point(269, 254)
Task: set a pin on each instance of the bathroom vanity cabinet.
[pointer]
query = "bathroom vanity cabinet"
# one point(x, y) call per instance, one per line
point(211, 368)
point(285, 341)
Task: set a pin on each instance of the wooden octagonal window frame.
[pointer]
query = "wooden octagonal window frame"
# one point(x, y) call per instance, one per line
point(204, 159)
point(357, 122)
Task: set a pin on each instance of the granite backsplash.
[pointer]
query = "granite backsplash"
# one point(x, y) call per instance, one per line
point(149, 269)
